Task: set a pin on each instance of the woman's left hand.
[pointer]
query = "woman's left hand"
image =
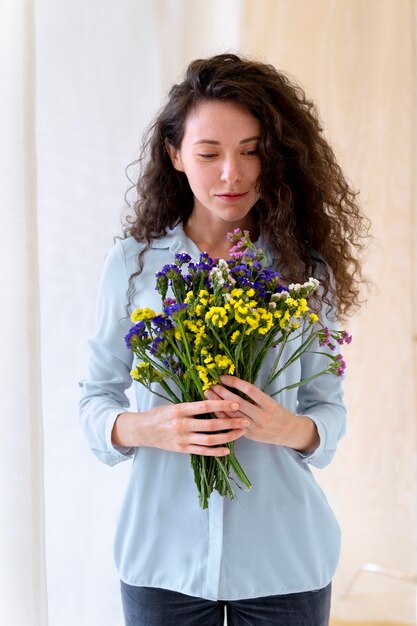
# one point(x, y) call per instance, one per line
point(269, 422)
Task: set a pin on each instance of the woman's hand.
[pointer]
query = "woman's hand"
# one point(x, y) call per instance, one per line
point(174, 427)
point(269, 422)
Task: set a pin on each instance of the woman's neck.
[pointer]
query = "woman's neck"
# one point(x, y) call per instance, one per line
point(212, 238)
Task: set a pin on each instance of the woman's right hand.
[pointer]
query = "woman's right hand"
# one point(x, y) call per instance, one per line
point(174, 427)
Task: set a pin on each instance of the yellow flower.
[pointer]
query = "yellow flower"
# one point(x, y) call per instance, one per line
point(253, 321)
point(303, 305)
point(145, 373)
point(217, 315)
point(224, 363)
point(314, 318)
point(234, 337)
point(142, 314)
point(290, 302)
point(203, 375)
point(285, 320)
point(138, 370)
point(203, 296)
point(266, 321)
point(193, 326)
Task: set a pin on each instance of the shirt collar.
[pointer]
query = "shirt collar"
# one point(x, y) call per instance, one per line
point(177, 241)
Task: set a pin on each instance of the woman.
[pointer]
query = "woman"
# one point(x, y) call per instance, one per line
point(236, 146)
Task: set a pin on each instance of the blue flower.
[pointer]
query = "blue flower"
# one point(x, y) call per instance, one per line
point(182, 258)
point(163, 323)
point(137, 332)
point(174, 308)
point(259, 286)
point(155, 343)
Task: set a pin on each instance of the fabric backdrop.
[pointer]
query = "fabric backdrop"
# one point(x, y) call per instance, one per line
point(22, 561)
point(100, 72)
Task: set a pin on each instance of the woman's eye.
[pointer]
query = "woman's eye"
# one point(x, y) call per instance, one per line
point(206, 155)
point(251, 153)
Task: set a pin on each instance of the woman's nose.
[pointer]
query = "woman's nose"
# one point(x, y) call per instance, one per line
point(230, 171)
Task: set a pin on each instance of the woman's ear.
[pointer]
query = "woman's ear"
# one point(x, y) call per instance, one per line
point(174, 155)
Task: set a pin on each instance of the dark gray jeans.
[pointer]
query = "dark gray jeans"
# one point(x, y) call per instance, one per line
point(147, 606)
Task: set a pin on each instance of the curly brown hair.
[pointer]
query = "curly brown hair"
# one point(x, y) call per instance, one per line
point(306, 211)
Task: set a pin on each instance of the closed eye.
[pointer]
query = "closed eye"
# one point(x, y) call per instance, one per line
point(207, 155)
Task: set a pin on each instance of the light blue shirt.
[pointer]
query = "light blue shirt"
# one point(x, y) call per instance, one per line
point(280, 537)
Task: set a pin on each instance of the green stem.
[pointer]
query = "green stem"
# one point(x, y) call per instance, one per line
point(238, 468)
point(295, 355)
point(300, 383)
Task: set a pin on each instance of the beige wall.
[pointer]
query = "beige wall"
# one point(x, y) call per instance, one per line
point(356, 59)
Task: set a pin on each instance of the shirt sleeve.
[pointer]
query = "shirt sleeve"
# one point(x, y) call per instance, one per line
point(103, 395)
point(322, 400)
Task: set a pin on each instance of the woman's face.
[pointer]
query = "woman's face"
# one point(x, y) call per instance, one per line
point(219, 156)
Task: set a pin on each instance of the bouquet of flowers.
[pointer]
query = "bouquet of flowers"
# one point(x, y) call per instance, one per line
point(222, 317)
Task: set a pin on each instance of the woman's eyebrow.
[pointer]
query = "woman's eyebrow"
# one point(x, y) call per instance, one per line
point(217, 143)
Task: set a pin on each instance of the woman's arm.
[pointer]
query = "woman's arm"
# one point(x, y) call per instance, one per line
point(111, 431)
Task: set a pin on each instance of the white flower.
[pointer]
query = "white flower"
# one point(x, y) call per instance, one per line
point(280, 294)
point(313, 282)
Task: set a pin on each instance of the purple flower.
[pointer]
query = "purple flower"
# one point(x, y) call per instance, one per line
point(242, 281)
point(169, 301)
point(172, 365)
point(156, 343)
point(161, 322)
point(136, 333)
point(260, 288)
point(236, 255)
point(346, 338)
point(340, 365)
point(181, 258)
point(172, 309)
point(324, 336)
point(240, 270)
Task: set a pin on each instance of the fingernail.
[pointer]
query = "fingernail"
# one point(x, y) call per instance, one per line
point(235, 406)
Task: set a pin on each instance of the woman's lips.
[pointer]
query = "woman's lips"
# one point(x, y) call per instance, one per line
point(230, 197)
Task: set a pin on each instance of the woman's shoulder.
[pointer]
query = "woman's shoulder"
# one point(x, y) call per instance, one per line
point(127, 247)
point(125, 250)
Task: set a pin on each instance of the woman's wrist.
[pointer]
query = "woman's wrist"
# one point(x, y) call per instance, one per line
point(124, 433)
point(302, 435)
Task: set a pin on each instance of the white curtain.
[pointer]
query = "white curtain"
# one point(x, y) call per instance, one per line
point(103, 70)
point(22, 562)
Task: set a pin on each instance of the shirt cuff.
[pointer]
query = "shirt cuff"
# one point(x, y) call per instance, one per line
point(312, 457)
